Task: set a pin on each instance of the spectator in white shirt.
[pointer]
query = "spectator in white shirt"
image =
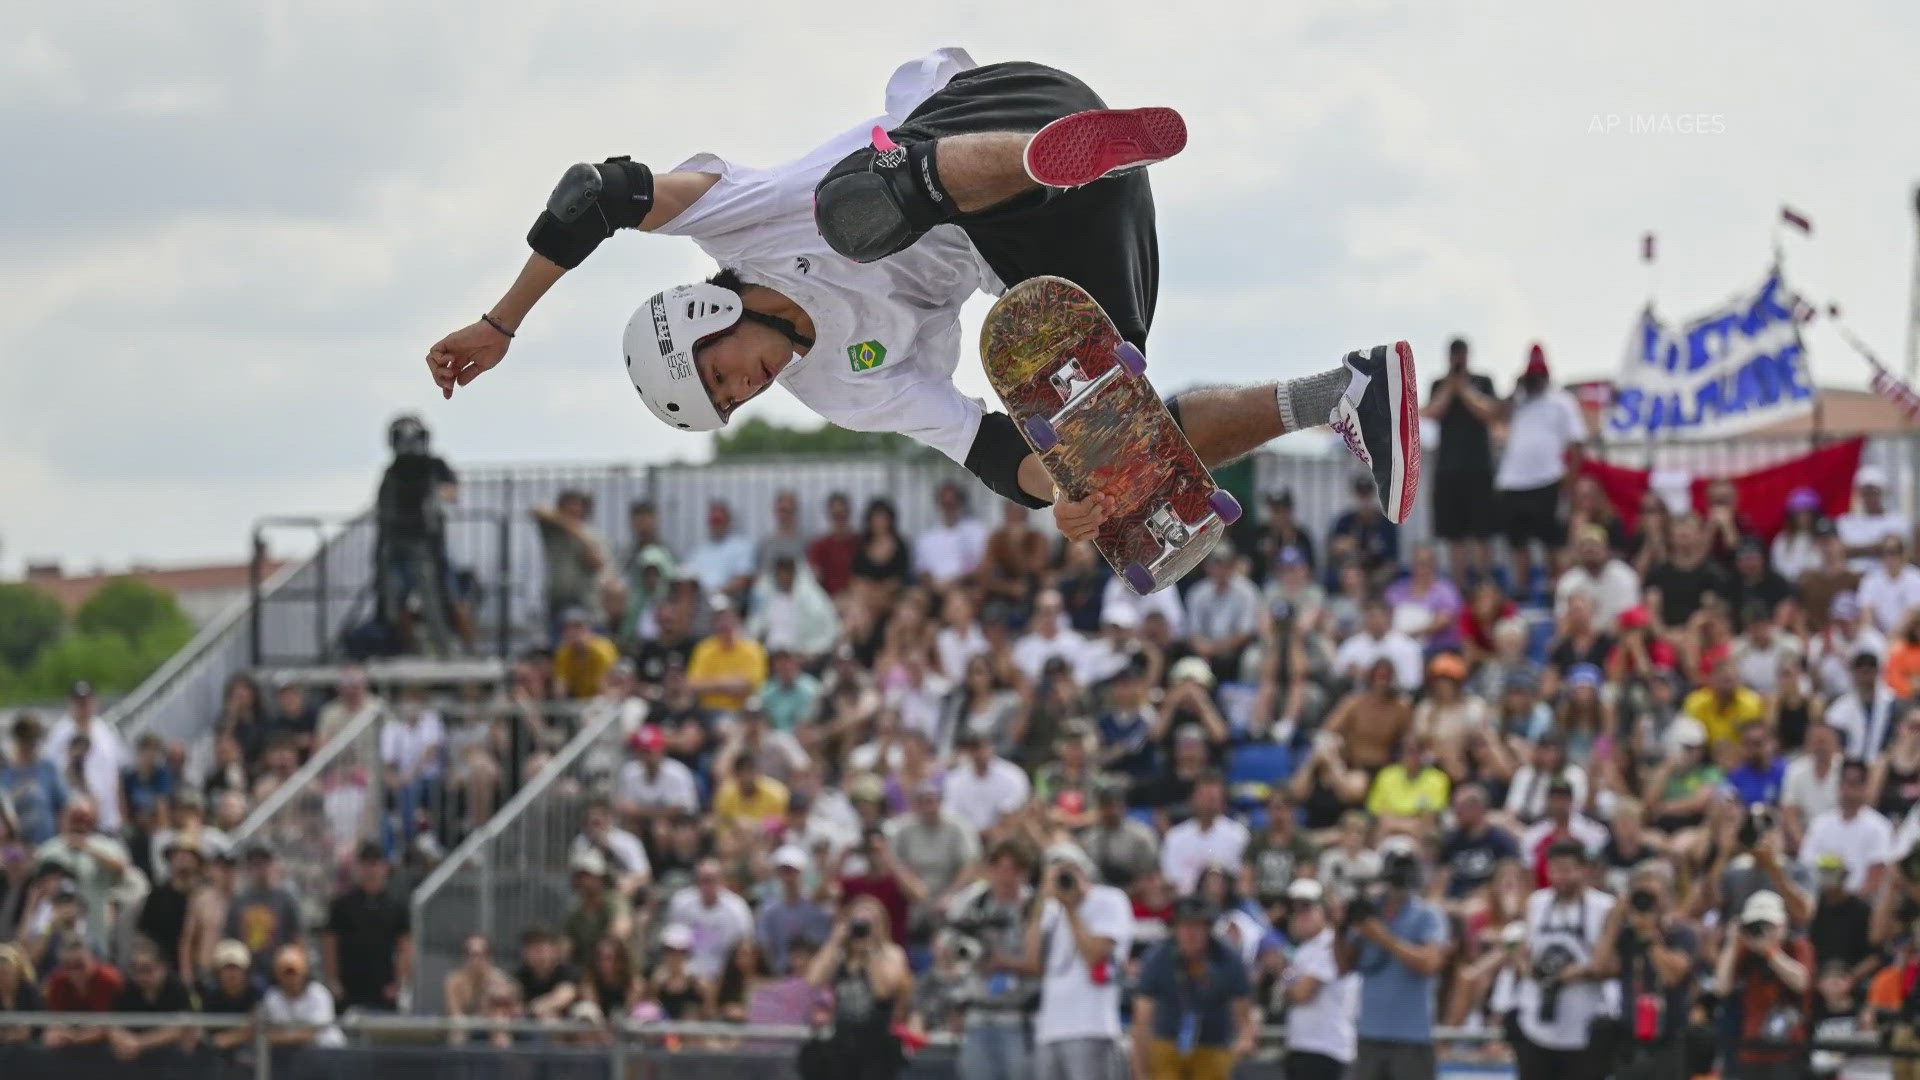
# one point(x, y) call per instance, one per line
point(1320, 1034)
point(413, 751)
point(725, 560)
point(1543, 424)
point(786, 539)
point(1223, 612)
point(1890, 591)
point(1870, 521)
point(792, 612)
point(981, 789)
point(960, 637)
point(1860, 835)
point(1832, 652)
point(1084, 934)
point(1115, 596)
point(295, 998)
point(1047, 636)
point(1812, 783)
point(1379, 640)
point(1864, 715)
point(653, 784)
point(1762, 649)
point(714, 915)
point(106, 754)
point(1795, 548)
point(1208, 838)
point(953, 549)
point(1611, 583)
point(625, 857)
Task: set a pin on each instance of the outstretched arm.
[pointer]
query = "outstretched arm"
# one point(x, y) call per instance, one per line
point(461, 356)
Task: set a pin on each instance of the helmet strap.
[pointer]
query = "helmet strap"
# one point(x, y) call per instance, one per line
point(785, 328)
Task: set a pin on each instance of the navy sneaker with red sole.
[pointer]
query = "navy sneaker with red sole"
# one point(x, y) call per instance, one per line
point(1379, 418)
point(1076, 150)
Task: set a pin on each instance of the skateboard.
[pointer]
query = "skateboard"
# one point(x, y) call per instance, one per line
point(1080, 396)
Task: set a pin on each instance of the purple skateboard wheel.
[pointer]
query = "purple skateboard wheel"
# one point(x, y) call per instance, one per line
point(1224, 506)
point(1130, 359)
point(1042, 434)
point(1139, 578)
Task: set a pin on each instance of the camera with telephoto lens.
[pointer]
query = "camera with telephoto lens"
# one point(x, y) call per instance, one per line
point(967, 951)
point(1758, 822)
point(1552, 962)
point(1066, 880)
point(860, 929)
point(1643, 900)
point(1359, 909)
point(1756, 929)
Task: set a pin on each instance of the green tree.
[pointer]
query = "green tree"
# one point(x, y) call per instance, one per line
point(759, 437)
point(30, 620)
point(130, 608)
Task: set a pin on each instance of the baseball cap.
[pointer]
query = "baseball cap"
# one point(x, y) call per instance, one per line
point(1635, 618)
point(676, 937)
point(1830, 865)
point(869, 787)
point(1290, 556)
point(1280, 497)
point(1447, 666)
point(1189, 733)
point(1764, 906)
point(790, 857)
point(1583, 675)
point(1305, 890)
point(1845, 606)
point(1193, 909)
point(1687, 732)
point(1803, 498)
point(589, 862)
point(1191, 667)
point(1123, 616)
point(1536, 360)
point(1872, 476)
point(1560, 785)
point(577, 615)
point(371, 851)
point(649, 737)
point(231, 953)
point(81, 689)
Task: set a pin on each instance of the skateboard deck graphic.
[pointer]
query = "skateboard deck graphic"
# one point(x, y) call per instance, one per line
point(1078, 394)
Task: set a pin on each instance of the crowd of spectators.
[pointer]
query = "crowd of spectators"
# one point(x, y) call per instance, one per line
point(1637, 793)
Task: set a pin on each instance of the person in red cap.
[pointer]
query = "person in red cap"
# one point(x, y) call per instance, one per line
point(651, 783)
point(1544, 430)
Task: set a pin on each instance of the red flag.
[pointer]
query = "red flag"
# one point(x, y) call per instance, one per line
point(1646, 248)
point(1796, 219)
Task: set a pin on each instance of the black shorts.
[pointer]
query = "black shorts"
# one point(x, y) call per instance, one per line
point(1100, 237)
point(1533, 514)
point(1463, 505)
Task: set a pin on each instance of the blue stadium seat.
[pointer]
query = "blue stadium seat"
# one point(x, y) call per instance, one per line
point(1259, 763)
point(1539, 635)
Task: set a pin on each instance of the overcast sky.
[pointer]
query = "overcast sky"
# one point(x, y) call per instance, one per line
point(232, 230)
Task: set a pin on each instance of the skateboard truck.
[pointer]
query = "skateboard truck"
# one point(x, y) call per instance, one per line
point(1173, 535)
point(1075, 389)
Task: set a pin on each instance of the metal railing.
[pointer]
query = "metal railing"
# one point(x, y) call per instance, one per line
point(483, 1048)
point(512, 871)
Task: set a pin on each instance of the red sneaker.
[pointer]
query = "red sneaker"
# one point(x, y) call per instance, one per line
point(1077, 150)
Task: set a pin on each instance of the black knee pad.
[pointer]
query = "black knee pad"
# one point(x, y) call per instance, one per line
point(867, 207)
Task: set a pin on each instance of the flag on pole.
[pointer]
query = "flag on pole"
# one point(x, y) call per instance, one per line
point(1646, 248)
point(1796, 219)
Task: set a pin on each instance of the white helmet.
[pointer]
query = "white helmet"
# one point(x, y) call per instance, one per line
point(659, 345)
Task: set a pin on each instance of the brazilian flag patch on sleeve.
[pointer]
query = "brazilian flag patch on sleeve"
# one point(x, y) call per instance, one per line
point(867, 355)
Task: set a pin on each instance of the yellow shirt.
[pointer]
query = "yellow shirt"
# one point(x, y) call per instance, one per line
point(1395, 794)
point(712, 659)
point(580, 669)
point(769, 802)
point(1723, 721)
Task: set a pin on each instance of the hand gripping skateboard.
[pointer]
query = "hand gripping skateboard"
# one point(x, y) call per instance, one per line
point(1080, 396)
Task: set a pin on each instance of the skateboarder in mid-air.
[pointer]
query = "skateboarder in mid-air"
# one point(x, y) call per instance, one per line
point(842, 276)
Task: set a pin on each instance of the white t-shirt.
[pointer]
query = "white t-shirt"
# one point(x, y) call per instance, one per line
point(1072, 1004)
point(409, 746)
point(1570, 931)
point(955, 648)
point(1322, 1024)
point(1862, 843)
point(106, 756)
point(1116, 596)
point(1358, 653)
point(629, 855)
point(1889, 599)
point(1189, 849)
point(716, 929)
point(1032, 651)
point(1527, 793)
point(1614, 589)
point(1861, 529)
point(312, 1008)
point(981, 801)
point(1538, 435)
point(1830, 655)
point(945, 552)
point(1805, 788)
point(1862, 724)
point(672, 788)
point(886, 333)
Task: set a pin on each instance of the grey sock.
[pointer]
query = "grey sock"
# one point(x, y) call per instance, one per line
point(1306, 403)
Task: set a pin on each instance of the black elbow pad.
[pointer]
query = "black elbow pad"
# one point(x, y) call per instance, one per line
point(995, 458)
point(587, 205)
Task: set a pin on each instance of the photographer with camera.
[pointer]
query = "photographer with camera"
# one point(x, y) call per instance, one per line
point(1399, 944)
point(1765, 979)
point(872, 989)
point(1650, 949)
point(1083, 935)
point(1896, 905)
point(987, 934)
point(410, 542)
point(1561, 994)
point(1320, 1036)
point(1893, 1001)
point(1745, 856)
point(1193, 1012)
